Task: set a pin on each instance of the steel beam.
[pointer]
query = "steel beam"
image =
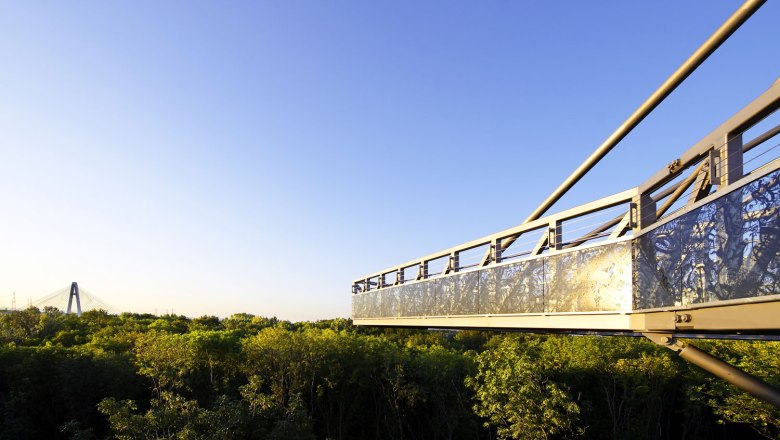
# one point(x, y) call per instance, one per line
point(742, 380)
point(745, 118)
point(563, 216)
point(757, 315)
point(769, 134)
point(685, 184)
point(702, 53)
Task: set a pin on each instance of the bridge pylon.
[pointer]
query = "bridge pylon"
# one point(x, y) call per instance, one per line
point(74, 292)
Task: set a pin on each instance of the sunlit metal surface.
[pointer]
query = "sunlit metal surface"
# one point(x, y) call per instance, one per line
point(590, 280)
point(513, 288)
point(726, 249)
point(695, 248)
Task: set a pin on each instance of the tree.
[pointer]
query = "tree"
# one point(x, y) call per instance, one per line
point(174, 417)
point(761, 359)
point(165, 358)
point(516, 396)
point(628, 386)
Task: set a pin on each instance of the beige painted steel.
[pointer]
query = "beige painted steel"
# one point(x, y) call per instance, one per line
point(733, 317)
point(762, 138)
point(749, 115)
point(604, 203)
point(746, 317)
point(685, 184)
point(746, 117)
point(702, 53)
point(747, 382)
point(763, 171)
point(608, 322)
point(724, 147)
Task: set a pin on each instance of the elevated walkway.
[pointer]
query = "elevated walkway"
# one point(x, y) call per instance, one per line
point(695, 249)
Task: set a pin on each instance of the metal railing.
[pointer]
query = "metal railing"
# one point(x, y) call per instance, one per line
point(709, 169)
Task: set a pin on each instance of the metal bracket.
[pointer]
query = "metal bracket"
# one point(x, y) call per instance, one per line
point(674, 166)
point(665, 339)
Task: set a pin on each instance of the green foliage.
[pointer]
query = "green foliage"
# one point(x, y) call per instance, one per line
point(246, 324)
point(20, 328)
point(761, 359)
point(135, 376)
point(517, 396)
point(205, 323)
point(174, 417)
point(627, 385)
point(50, 392)
point(165, 358)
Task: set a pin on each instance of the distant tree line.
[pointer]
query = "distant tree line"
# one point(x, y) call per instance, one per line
point(140, 376)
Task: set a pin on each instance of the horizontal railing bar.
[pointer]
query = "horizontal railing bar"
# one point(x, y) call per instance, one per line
point(583, 239)
point(466, 266)
point(760, 139)
point(597, 205)
point(748, 177)
point(768, 168)
point(656, 197)
point(521, 254)
point(752, 113)
point(596, 232)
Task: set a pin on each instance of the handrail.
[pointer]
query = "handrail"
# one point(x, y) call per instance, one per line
point(569, 214)
point(714, 143)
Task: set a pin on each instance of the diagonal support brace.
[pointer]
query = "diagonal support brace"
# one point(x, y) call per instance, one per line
point(717, 367)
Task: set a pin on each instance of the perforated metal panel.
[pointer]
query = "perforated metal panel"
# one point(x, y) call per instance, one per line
point(514, 288)
point(590, 280)
point(732, 245)
point(465, 297)
point(727, 249)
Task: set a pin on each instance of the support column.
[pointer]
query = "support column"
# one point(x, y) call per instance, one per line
point(742, 380)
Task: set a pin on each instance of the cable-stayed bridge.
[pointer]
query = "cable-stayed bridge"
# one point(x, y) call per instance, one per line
point(73, 299)
point(692, 251)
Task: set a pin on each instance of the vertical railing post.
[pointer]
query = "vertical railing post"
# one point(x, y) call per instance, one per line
point(731, 159)
point(643, 212)
point(422, 271)
point(555, 231)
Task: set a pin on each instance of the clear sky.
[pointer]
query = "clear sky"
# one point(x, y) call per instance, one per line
point(215, 157)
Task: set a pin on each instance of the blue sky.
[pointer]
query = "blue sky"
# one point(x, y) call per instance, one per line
point(221, 157)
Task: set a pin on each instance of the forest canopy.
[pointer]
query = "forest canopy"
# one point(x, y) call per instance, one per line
point(140, 376)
